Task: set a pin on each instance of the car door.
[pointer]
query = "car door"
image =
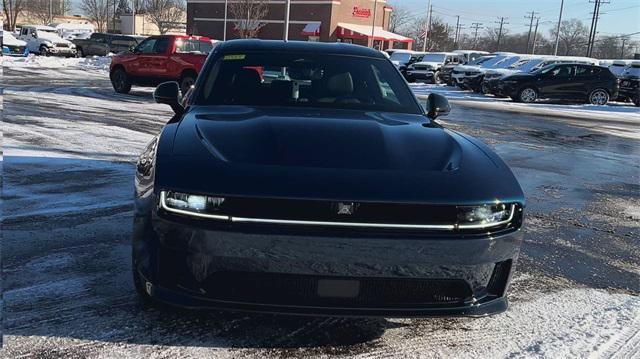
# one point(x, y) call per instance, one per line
point(556, 83)
point(97, 46)
point(139, 65)
point(587, 79)
point(158, 60)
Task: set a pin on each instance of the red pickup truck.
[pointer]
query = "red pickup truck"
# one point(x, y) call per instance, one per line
point(158, 59)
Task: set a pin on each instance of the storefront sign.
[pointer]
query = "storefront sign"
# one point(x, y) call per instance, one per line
point(361, 12)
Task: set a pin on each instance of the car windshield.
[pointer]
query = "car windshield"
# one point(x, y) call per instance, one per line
point(433, 58)
point(480, 61)
point(492, 62)
point(401, 57)
point(305, 80)
point(526, 65)
point(506, 62)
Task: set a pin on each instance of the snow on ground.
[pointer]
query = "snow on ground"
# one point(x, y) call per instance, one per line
point(100, 63)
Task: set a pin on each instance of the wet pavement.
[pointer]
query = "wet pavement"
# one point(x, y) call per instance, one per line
point(69, 147)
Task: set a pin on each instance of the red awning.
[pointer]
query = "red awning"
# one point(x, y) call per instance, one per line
point(346, 30)
point(312, 29)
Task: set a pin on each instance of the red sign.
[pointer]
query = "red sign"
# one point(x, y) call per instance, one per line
point(361, 12)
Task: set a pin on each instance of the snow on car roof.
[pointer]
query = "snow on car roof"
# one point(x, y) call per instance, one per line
point(39, 27)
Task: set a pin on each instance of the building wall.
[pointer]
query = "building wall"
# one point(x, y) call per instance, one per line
point(204, 17)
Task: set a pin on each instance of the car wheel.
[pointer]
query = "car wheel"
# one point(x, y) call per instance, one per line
point(44, 51)
point(437, 77)
point(185, 83)
point(528, 95)
point(599, 97)
point(120, 81)
point(79, 52)
point(485, 88)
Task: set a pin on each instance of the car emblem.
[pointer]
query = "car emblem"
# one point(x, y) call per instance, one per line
point(346, 208)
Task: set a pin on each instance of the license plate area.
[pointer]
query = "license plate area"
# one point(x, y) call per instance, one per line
point(338, 288)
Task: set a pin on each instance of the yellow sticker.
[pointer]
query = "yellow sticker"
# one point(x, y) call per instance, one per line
point(234, 57)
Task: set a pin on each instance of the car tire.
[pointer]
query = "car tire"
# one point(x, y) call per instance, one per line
point(79, 52)
point(186, 82)
point(599, 97)
point(527, 95)
point(44, 51)
point(120, 81)
point(485, 88)
point(437, 78)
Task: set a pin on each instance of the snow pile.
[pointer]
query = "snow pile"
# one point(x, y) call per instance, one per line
point(100, 63)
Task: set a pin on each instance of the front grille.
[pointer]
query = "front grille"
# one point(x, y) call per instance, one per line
point(457, 72)
point(311, 210)
point(291, 289)
point(61, 44)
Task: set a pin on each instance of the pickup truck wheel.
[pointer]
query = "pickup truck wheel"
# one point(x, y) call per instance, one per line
point(186, 82)
point(120, 81)
point(44, 51)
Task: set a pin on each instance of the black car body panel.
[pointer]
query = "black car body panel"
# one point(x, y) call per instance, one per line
point(294, 165)
point(630, 88)
point(567, 85)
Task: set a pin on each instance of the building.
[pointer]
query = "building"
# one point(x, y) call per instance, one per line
point(144, 26)
point(349, 21)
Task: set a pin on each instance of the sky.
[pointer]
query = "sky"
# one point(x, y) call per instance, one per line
point(618, 17)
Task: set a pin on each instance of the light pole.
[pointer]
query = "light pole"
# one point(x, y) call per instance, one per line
point(287, 9)
point(427, 28)
point(555, 51)
point(373, 26)
point(224, 30)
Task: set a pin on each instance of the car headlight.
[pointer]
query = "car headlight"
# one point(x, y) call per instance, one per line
point(487, 216)
point(192, 204)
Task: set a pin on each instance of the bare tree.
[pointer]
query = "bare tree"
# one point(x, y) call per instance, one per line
point(98, 11)
point(45, 11)
point(400, 19)
point(573, 36)
point(12, 9)
point(248, 15)
point(165, 14)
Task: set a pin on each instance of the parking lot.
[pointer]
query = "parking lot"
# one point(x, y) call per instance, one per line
point(70, 145)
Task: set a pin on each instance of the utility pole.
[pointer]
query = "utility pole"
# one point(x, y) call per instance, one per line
point(596, 3)
point(535, 37)
point(373, 26)
point(455, 38)
point(427, 27)
point(532, 16)
point(476, 26)
point(555, 51)
point(502, 23)
point(595, 25)
point(624, 41)
point(287, 9)
point(50, 11)
point(224, 24)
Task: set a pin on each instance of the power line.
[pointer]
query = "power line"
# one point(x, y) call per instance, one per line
point(594, 25)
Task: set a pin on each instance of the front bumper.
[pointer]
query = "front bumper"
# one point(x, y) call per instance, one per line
point(629, 88)
point(301, 270)
point(420, 75)
point(62, 51)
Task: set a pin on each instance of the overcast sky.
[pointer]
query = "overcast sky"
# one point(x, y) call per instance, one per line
point(618, 17)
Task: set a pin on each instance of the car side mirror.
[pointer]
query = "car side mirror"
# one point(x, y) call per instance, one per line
point(437, 105)
point(168, 93)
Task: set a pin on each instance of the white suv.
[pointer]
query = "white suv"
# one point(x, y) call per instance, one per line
point(44, 40)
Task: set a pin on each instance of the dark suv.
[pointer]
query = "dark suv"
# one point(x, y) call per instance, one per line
point(101, 44)
point(590, 83)
point(630, 83)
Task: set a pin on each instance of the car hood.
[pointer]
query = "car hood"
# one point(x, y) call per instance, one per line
point(12, 41)
point(327, 154)
point(519, 76)
point(52, 37)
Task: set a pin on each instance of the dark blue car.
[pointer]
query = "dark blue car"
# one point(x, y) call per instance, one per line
point(306, 178)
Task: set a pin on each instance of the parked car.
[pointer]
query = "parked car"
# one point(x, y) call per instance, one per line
point(470, 55)
point(44, 40)
point(403, 58)
point(618, 67)
point(12, 46)
point(71, 31)
point(158, 59)
point(590, 83)
point(329, 191)
point(474, 68)
point(474, 77)
point(630, 83)
point(430, 66)
point(101, 44)
point(493, 76)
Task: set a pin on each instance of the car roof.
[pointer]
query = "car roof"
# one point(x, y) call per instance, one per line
point(470, 52)
point(298, 46)
point(39, 27)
